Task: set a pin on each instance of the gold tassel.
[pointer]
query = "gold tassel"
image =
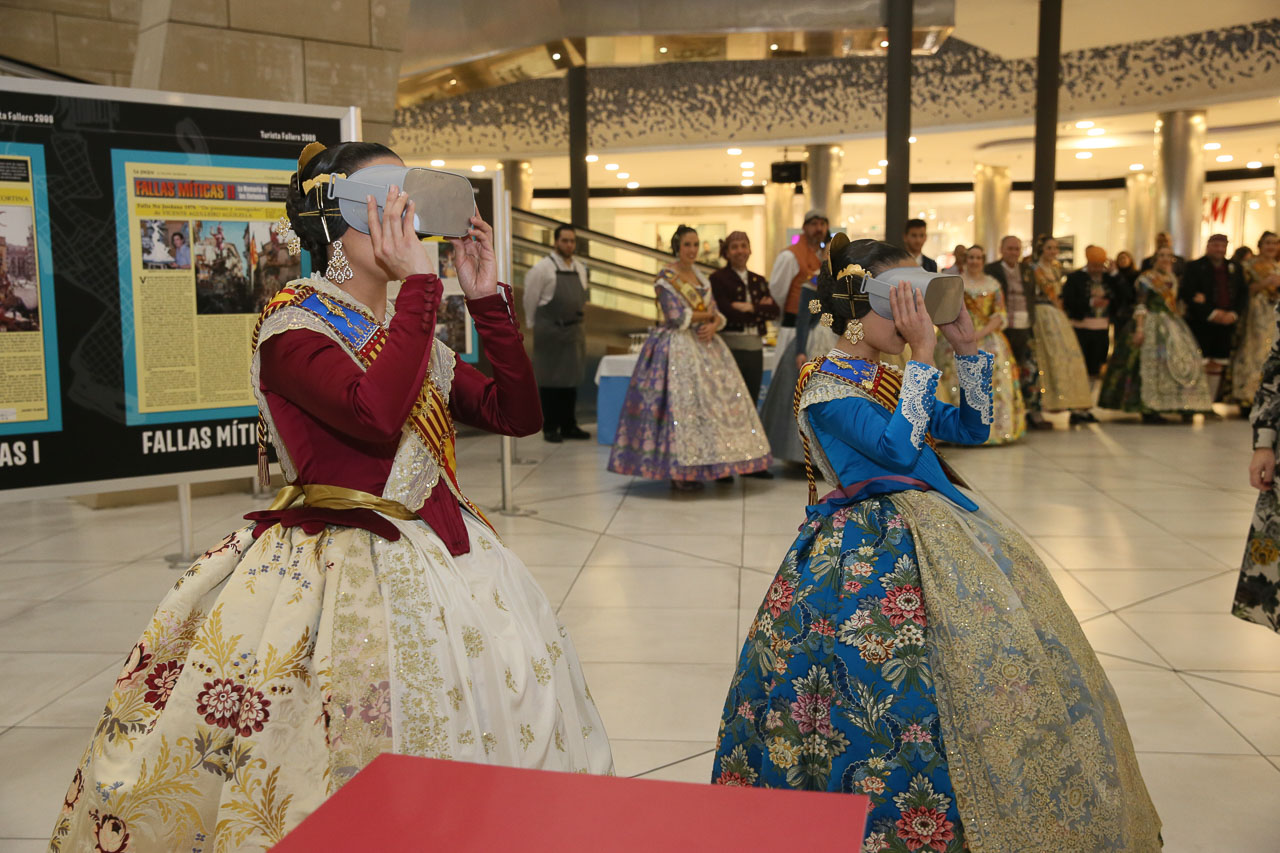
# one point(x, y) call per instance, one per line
point(264, 464)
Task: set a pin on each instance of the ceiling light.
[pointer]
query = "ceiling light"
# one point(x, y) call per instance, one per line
point(911, 139)
point(747, 182)
point(1096, 131)
point(1083, 155)
point(884, 43)
point(862, 182)
point(1136, 167)
point(1224, 158)
point(1028, 207)
point(734, 152)
point(662, 50)
point(1254, 205)
point(969, 218)
point(622, 176)
point(747, 173)
point(453, 82)
point(773, 47)
point(591, 158)
point(882, 163)
point(477, 168)
point(1254, 164)
point(611, 167)
point(633, 185)
point(747, 164)
point(875, 171)
point(1084, 124)
point(1212, 146)
point(556, 57)
point(437, 163)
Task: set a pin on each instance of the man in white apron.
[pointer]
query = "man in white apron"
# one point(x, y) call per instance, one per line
point(555, 295)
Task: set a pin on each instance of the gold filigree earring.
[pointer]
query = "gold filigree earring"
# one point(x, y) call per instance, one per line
point(853, 332)
point(338, 269)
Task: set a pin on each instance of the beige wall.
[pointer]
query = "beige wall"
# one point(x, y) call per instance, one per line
point(336, 52)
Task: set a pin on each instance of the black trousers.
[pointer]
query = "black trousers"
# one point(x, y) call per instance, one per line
point(559, 407)
point(1028, 372)
point(788, 320)
point(1094, 343)
point(751, 366)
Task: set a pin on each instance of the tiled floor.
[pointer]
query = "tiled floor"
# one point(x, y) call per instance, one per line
point(1141, 526)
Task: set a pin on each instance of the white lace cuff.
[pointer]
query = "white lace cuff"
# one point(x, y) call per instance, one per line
point(975, 381)
point(919, 384)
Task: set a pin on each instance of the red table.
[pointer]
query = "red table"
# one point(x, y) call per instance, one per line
point(404, 803)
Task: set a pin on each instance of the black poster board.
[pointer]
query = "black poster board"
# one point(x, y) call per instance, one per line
point(66, 288)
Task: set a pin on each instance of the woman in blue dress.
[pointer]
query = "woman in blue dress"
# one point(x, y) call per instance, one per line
point(911, 648)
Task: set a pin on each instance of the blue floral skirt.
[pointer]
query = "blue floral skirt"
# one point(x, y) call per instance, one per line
point(834, 690)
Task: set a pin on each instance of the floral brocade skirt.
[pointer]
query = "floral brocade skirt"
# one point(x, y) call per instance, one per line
point(276, 669)
point(921, 655)
point(1165, 373)
point(1257, 596)
point(1064, 378)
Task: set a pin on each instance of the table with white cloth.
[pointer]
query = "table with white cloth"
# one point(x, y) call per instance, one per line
point(613, 377)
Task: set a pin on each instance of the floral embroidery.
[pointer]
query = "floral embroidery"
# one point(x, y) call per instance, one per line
point(160, 683)
point(110, 833)
point(135, 665)
point(974, 375)
point(220, 702)
point(919, 384)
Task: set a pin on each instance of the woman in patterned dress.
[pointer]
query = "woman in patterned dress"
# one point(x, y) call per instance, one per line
point(1156, 366)
point(372, 609)
point(984, 300)
point(910, 647)
point(687, 416)
point(1262, 274)
point(1258, 592)
point(1064, 379)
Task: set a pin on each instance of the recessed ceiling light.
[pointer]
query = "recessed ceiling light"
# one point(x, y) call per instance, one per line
point(734, 152)
point(1254, 164)
point(862, 182)
point(477, 168)
point(591, 158)
point(747, 182)
point(622, 176)
point(1084, 124)
point(1028, 207)
point(773, 47)
point(437, 163)
point(882, 163)
point(747, 164)
point(911, 139)
point(662, 50)
point(1096, 131)
point(1212, 146)
point(556, 57)
point(875, 171)
point(1083, 155)
point(884, 43)
point(1224, 158)
point(453, 82)
point(632, 185)
point(611, 167)
point(1255, 204)
point(1136, 167)
point(747, 173)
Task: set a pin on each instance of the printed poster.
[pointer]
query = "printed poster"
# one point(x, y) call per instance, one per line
point(30, 400)
point(198, 263)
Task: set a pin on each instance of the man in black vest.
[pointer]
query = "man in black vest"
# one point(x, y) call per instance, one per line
point(1214, 293)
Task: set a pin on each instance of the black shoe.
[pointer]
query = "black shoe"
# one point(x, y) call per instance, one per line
point(552, 436)
point(575, 432)
point(1153, 418)
point(1082, 418)
point(1188, 417)
point(722, 480)
point(1038, 423)
point(761, 475)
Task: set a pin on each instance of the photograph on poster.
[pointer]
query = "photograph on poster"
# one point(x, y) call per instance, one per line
point(166, 244)
point(447, 269)
point(19, 279)
point(239, 266)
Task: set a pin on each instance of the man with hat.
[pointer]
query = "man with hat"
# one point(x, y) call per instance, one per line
point(797, 264)
point(1094, 298)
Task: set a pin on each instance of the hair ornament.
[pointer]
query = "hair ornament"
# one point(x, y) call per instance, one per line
point(850, 270)
point(826, 320)
point(308, 154)
point(284, 230)
point(815, 306)
point(311, 183)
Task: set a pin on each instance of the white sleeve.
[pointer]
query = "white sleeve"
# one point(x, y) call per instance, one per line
point(785, 269)
point(535, 282)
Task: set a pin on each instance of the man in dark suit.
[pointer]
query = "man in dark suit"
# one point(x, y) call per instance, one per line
point(1094, 298)
point(914, 233)
point(1214, 292)
point(1017, 280)
point(1163, 241)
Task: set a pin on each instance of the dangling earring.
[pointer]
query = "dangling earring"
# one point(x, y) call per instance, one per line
point(338, 270)
point(853, 331)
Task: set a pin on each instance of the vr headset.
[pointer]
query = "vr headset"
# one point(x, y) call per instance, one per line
point(443, 202)
point(943, 292)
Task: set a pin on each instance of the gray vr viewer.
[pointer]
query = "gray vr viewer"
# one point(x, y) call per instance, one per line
point(443, 202)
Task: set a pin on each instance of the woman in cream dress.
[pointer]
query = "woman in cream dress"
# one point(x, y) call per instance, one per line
point(1064, 379)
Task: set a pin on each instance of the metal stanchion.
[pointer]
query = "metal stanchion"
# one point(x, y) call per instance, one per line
point(508, 487)
point(186, 550)
point(516, 459)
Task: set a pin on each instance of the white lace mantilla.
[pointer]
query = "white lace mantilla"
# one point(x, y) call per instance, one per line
point(414, 471)
point(919, 383)
point(974, 374)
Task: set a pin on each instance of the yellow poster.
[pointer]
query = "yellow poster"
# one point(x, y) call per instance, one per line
point(203, 261)
point(24, 386)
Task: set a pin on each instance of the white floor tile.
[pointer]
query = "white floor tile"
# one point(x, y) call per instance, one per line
point(35, 679)
point(638, 757)
point(616, 551)
point(1214, 803)
point(1108, 634)
point(32, 581)
point(1165, 715)
point(1206, 640)
point(1118, 588)
point(659, 701)
point(77, 626)
point(652, 634)
point(1124, 552)
point(1255, 715)
point(29, 800)
point(696, 770)
point(654, 586)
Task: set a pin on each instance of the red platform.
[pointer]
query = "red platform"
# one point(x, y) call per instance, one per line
point(403, 803)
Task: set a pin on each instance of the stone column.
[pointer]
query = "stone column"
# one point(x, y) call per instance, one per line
point(1140, 214)
point(518, 176)
point(339, 53)
point(991, 188)
point(1180, 178)
point(779, 199)
point(826, 180)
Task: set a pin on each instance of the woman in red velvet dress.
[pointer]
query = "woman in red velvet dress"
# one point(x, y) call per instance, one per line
point(372, 609)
